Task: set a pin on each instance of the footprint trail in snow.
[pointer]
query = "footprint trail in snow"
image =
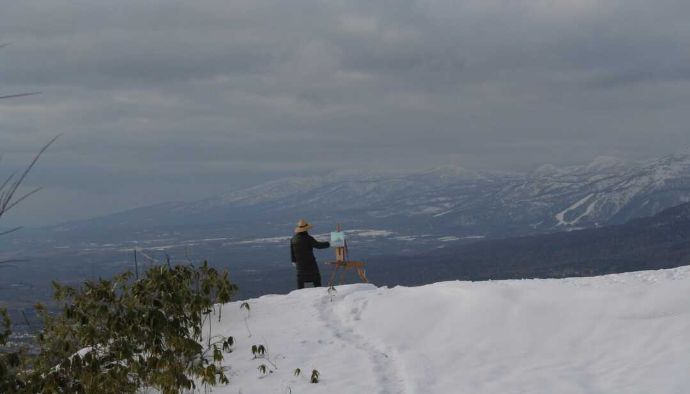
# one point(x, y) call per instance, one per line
point(386, 368)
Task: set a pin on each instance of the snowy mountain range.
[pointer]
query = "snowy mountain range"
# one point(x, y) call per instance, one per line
point(655, 242)
point(446, 200)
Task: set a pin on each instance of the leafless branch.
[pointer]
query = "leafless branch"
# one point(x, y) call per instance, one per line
point(10, 231)
point(19, 95)
point(9, 178)
point(14, 261)
point(18, 200)
point(11, 185)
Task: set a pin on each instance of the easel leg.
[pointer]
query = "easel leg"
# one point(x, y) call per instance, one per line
point(362, 275)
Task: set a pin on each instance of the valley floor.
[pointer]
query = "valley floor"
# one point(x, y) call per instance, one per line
point(626, 333)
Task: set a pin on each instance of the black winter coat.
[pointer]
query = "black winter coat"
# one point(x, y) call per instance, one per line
point(302, 250)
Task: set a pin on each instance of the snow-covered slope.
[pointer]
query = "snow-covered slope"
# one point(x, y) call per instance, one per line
point(608, 192)
point(445, 200)
point(605, 191)
point(626, 333)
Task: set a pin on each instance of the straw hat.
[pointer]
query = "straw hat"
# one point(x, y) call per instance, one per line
point(302, 226)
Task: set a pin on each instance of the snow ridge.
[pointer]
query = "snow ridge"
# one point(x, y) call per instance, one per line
point(624, 333)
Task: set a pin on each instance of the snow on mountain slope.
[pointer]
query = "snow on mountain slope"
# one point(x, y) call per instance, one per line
point(625, 333)
point(445, 200)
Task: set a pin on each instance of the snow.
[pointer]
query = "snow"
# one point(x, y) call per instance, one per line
point(444, 213)
point(449, 238)
point(407, 238)
point(560, 217)
point(369, 233)
point(269, 240)
point(626, 333)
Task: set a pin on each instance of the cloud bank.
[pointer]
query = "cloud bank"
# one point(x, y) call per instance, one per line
point(166, 100)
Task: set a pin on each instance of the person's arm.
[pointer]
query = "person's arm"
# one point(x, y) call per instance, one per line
point(292, 252)
point(319, 245)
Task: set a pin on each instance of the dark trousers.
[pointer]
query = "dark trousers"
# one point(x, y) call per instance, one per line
point(316, 282)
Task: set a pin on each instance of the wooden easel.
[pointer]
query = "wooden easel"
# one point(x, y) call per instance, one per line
point(342, 262)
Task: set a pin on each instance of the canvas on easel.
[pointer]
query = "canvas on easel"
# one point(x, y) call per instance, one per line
point(339, 242)
point(338, 239)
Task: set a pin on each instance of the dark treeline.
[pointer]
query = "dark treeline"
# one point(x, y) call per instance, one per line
point(657, 242)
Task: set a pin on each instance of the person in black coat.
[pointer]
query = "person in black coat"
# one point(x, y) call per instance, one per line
point(302, 247)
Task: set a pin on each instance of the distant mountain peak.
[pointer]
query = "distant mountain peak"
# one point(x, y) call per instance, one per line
point(453, 171)
point(359, 174)
point(546, 169)
point(684, 152)
point(603, 163)
point(682, 156)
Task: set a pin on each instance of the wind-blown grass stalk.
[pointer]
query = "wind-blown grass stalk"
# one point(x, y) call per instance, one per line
point(10, 186)
point(19, 95)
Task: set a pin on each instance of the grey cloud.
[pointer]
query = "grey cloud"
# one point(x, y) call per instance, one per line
point(161, 99)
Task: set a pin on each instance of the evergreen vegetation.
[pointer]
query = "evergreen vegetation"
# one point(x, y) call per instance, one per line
point(10, 362)
point(121, 335)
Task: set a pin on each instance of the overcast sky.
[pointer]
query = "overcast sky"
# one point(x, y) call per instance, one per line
point(169, 100)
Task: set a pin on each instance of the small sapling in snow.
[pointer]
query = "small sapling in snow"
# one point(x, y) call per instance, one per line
point(314, 376)
point(263, 369)
point(332, 292)
point(227, 344)
point(245, 306)
point(258, 351)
